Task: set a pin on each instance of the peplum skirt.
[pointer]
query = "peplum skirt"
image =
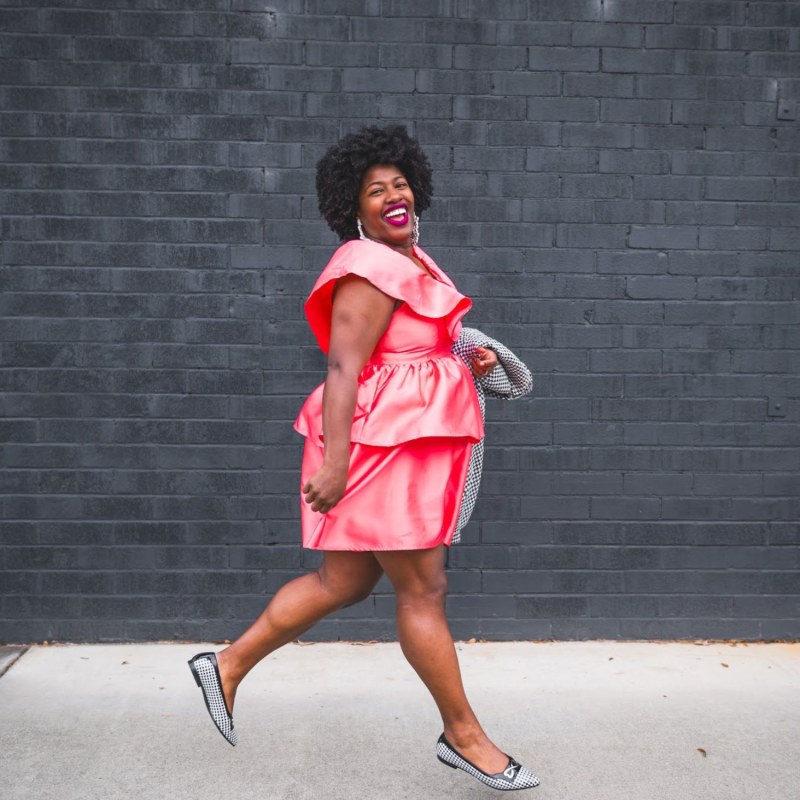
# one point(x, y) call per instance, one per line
point(403, 497)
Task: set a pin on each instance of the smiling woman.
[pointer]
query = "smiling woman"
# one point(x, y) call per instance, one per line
point(388, 440)
point(386, 207)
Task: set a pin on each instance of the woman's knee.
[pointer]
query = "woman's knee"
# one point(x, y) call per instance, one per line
point(347, 588)
point(428, 590)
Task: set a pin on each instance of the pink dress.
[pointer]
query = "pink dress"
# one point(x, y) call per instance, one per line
point(416, 417)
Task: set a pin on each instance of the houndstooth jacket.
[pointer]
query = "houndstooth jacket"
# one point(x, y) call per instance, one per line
point(508, 380)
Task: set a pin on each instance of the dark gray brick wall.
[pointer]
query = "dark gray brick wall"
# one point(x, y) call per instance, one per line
point(618, 189)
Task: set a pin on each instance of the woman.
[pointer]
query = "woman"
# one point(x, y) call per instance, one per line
point(382, 486)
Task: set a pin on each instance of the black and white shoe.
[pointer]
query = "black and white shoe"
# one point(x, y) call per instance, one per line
point(206, 673)
point(514, 776)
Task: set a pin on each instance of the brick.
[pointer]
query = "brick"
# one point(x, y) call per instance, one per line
point(333, 54)
point(678, 213)
point(731, 89)
point(660, 287)
point(668, 187)
point(490, 108)
point(729, 238)
point(687, 112)
point(579, 134)
point(618, 59)
point(19, 20)
point(637, 111)
point(568, 109)
point(654, 138)
point(666, 237)
point(784, 240)
point(774, 14)
point(683, 37)
point(514, 9)
point(566, 9)
point(607, 186)
point(523, 134)
point(234, 25)
point(566, 59)
point(446, 81)
point(688, 12)
point(37, 47)
point(755, 38)
point(598, 236)
point(494, 57)
point(697, 62)
point(416, 56)
point(620, 34)
point(526, 83)
point(599, 85)
point(633, 161)
point(541, 159)
point(627, 262)
point(472, 31)
point(739, 188)
point(558, 211)
point(347, 7)
point(533, 33)
point(671, 87)
point(264, 52)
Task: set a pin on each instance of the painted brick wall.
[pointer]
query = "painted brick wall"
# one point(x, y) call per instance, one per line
point(617, 188)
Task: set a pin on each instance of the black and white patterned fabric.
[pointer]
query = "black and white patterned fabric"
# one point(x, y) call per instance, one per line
point(512, 778)
point(508, 380)
point(206, 674)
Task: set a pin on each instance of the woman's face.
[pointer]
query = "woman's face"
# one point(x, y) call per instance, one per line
point(386, 206)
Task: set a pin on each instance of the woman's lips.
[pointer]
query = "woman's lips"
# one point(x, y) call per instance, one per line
point(397, 219)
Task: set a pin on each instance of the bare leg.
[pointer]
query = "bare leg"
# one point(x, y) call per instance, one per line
point(420, 583)
point(343, 579)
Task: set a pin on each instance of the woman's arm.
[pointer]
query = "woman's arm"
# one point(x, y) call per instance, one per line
point(360, 315)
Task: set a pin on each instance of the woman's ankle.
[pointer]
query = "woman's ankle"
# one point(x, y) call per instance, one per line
point(464, 734)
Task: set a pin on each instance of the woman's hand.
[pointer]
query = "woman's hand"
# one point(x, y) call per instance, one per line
point(484, 362)
point(324, 489)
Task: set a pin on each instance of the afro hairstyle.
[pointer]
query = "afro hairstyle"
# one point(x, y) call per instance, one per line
point(341, 169)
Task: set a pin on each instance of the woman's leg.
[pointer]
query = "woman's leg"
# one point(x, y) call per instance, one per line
point(343, 579)
point(420, 584)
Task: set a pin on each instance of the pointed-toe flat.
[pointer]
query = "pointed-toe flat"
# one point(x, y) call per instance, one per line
point(206, 674)
point(513, 777)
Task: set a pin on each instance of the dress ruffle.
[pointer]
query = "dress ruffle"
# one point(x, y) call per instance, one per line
point(393, 274)
point(413, 386)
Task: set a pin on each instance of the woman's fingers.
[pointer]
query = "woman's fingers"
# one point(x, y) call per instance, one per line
point(316, 499)
point(484, 361)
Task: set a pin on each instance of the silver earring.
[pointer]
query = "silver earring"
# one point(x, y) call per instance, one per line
point(360, 229)
point(415, 232)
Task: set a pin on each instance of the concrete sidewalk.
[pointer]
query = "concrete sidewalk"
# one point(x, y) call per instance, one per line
point(595, 721)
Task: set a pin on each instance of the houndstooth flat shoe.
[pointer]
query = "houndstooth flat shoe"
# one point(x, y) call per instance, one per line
point(206, 674)
point(513, 777)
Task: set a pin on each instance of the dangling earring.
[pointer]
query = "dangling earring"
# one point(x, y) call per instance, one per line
point(415, 232)
point(360, 229)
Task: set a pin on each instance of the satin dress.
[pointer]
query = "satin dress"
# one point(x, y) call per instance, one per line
point(416, 417)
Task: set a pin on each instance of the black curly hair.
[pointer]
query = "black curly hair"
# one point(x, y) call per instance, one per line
point(341, 169)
